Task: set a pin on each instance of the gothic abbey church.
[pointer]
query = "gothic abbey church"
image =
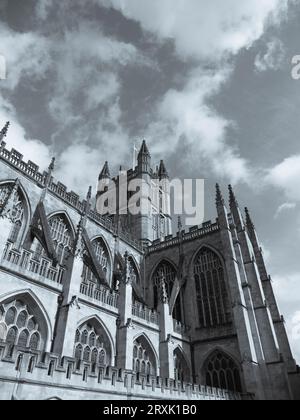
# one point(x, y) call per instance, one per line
point(112, 308)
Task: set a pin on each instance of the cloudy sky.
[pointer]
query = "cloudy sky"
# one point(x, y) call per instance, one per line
point(207, 83)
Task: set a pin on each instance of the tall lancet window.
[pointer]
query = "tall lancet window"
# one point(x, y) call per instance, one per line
point(102, 255)
point(16, 212)
point(212, 295)
point(62, 237)
point(168, 273)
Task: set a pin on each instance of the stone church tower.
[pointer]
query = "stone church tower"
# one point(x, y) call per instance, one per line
point(119, 307)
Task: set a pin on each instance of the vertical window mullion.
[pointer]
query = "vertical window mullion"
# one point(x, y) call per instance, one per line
point(203, 302)
point(208, 299)
point(215, 297)
point(221, 296)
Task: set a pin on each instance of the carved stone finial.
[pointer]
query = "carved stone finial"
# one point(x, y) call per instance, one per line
point(249, 223)
point(89, 194)
point(163, 290)
point(219, 197)
point(4, 131)
point(52, 165)
point(179, 224)
point(127, 272)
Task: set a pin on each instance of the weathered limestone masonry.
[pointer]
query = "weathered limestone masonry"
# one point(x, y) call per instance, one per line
point(88, 311)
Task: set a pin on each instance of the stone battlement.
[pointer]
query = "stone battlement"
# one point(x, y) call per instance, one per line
point(194, 232)
point(31, 170)
point(65, 378)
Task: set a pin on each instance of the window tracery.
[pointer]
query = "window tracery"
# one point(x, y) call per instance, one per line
point(212, 296)
point(16, 212)
point(19, 327)
point(92, 346)
point(222, 372)
point(168, 273)
point(141, 359)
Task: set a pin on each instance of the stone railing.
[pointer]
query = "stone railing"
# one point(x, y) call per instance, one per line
point(180, 328)
point(16, 159)
point(69, 379)
point(194, 233)
point(144, 313)
point(31, 170)
point(100, 294)
point(24, 260)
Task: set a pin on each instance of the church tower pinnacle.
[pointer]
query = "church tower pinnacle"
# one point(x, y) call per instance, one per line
point(105, 173)
point(144, 159)
point(4, 131)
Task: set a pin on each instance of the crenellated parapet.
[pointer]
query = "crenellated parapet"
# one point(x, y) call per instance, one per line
point(32, 171)
point(27, 371)
point(195, 232)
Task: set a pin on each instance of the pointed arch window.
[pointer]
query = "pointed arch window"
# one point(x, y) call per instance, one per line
point(222, 372)
point(143, 357)
point(92, 345)
point(168, 273)
point(211, 290)
point(182, 371)
point(21, 326)
point(62, 237)
point(17, 212)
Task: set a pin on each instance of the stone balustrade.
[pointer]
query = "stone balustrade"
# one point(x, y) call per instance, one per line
point(143, 313)
point(100, 294)
point(24, 260)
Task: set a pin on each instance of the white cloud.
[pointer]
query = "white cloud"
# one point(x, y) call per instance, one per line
point(73, 171)
point(267, 254)
point(272, 58)
point(283, 208)
point(203, 32)
point(84, 67)
point(202, 29)
point(26, 54)
point(42, 8)
point(87, 81)
point(31, 149)
point(185, 114)
point(293, 329)
point(87, 65)
point(287, 291)
point(287, 288)
point(286, 175)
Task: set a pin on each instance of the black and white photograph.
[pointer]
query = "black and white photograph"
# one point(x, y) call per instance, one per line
point(149, 203)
